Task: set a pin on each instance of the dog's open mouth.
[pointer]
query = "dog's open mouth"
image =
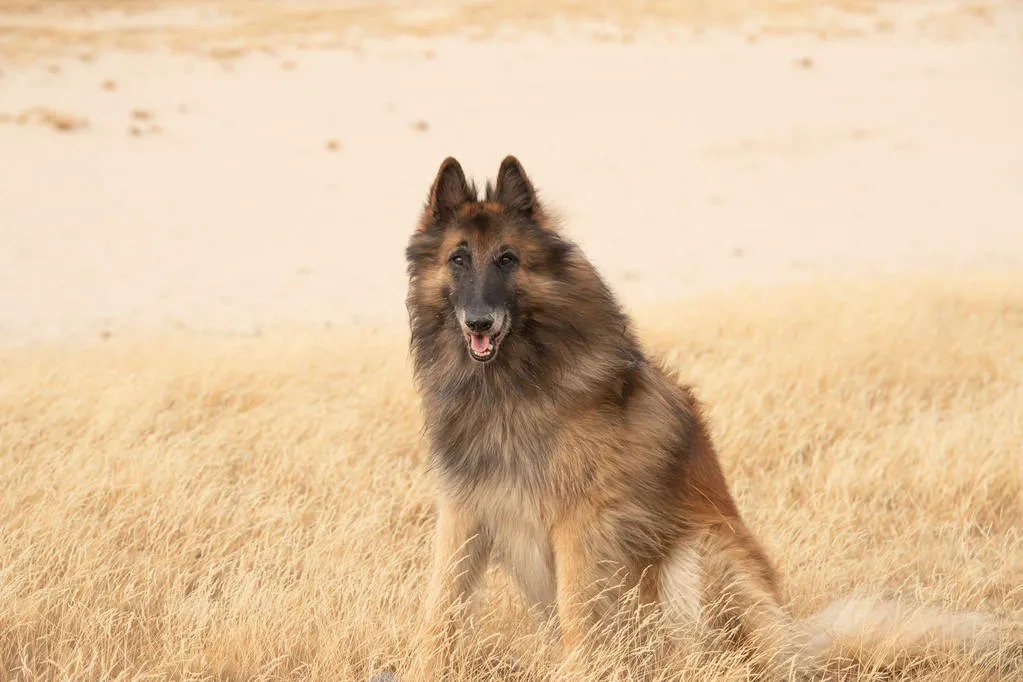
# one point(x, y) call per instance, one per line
point(482, 347)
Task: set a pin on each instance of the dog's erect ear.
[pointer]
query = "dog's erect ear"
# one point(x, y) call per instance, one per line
point(514, 189)
point(449, 191)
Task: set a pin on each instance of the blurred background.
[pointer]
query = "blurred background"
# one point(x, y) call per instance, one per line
point(232, 166)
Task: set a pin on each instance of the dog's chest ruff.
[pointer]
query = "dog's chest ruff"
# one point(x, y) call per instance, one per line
point(521, 542)
point(500, 468)
point(507, 444)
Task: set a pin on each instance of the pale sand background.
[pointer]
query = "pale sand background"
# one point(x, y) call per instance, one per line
point(708, 153)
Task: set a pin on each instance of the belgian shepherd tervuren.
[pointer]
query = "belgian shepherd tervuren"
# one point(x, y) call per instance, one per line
point(577, 462)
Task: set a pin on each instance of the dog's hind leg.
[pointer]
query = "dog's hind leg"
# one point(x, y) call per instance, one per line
point(719, 585)
point(742, 603)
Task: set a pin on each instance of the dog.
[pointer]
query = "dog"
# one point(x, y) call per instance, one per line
point(576, 462)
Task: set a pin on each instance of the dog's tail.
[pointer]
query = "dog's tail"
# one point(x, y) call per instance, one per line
point(723, 581)
point(875, 634)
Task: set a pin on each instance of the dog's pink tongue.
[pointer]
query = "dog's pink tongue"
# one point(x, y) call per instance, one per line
point(479, 343)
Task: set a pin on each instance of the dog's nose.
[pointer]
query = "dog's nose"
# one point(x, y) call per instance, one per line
point(479, 324)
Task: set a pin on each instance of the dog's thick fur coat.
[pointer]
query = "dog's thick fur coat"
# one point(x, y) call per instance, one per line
point(569, 456)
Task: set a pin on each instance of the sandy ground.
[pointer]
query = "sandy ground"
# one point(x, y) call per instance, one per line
point(240, 194)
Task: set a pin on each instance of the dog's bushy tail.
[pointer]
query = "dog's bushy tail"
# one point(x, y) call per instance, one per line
point(884, 635)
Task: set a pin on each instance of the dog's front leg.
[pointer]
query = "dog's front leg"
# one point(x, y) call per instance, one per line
point(585, 583)
point(461, 551)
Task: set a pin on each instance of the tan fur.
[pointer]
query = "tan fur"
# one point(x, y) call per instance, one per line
point(591, 477)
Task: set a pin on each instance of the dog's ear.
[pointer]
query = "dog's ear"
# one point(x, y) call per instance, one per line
point(449, 191)
point(514, 189)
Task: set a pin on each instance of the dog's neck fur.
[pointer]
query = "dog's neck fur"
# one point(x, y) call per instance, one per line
point(548, 366)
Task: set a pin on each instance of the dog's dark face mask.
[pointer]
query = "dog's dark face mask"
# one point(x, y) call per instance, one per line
point(482, 292)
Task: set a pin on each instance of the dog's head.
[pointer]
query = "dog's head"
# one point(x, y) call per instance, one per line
point(474, 264)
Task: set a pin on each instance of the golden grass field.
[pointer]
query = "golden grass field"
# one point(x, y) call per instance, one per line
point(43, 27)
point(257, 508)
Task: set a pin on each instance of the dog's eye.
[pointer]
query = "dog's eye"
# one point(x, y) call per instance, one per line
point(506, 260)
point(457, 259)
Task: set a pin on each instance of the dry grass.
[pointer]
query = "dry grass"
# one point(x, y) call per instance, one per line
point(257, 508)
point(226, 29)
